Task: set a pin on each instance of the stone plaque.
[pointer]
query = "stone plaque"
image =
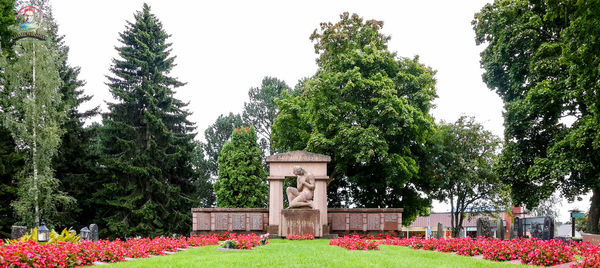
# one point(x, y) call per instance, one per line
point(373, 222)
point(221, 222)
point(500, 229)
point(338, 221)
point(548, 231)
point(356, 221)
point(17, 232)
point(440, 231)
point(239, 221)
point(94, 232)
point(203, 221)
point(484, 227)
point(300, 222)
point(390, 221)
point(256, 221)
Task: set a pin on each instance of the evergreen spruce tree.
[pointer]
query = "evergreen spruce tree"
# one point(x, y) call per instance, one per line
point(146, 141)
point(242, 179)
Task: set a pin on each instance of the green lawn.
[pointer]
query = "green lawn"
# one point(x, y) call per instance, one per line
point(316, 253)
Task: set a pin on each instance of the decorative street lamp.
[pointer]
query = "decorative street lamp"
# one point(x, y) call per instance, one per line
point(85, 233)
point(43, 233)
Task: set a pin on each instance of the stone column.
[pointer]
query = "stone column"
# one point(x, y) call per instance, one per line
point(320, 198)
point(275, 203)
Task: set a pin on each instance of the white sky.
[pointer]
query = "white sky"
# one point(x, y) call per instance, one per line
point(225, 47)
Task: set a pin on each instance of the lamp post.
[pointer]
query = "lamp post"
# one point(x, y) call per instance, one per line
point(85, 233)
point(575, 214)
point(43, 233)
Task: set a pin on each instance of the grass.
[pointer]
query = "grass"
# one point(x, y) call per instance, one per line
point(314, 253)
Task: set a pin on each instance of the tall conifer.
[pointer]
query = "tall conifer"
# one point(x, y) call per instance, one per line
point(146, 140)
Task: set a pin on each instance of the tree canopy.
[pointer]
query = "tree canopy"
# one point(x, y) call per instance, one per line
point(462, 157)
point(542, 58)
point(261, 110)
point(369, 110)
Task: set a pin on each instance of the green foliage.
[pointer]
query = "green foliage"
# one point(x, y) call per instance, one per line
point(11, 163)
point(146, 141)
point(76, 159)
point(542, 59)
point(204, 188)
point(462, 158)
point(242, 179)
point(369, 110)
point(53, 236)
point(216, 135)
point(33, 117)
point(7, 20)
point(261, 110)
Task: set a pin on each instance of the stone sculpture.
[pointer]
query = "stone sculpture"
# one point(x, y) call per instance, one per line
point(484, 227)
point(17, 232)
point(302, 195)
point(519, 227)
point(94, 232)
point(548, 231)
point(440, 231)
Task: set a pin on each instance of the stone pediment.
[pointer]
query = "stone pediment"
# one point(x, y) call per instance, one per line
point(298, 156)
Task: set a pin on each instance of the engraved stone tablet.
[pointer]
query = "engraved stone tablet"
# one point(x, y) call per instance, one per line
point(300, 222)
point(203, 221)
point(239, 221)
point(390, 221)
point(338, 221)
point(356, 221)
point(94, 232)
point(221, 221)
point(256, 222)
point(373, 222)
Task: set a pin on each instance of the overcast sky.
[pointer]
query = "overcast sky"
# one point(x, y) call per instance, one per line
point(225, 47)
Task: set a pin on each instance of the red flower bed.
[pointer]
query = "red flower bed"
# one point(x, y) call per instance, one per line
point(501, 250)
point(430, 244)
point(248, 241)
point(300, 237)
point(67, 254)
point(547, 253)
point(354, 242)
point(532, 252)
point(380, 236)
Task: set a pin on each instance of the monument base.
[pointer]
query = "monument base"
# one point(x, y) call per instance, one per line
point(300, 222)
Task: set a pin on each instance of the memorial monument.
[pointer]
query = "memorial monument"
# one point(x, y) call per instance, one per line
point(307, 212)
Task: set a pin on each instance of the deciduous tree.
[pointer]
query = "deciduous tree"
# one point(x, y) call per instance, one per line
point(369, 110)
point(542, 59)
point(462, 158)
point(261, 110)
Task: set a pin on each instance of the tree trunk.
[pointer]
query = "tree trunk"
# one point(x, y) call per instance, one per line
point(594, 215)
point(34, 149)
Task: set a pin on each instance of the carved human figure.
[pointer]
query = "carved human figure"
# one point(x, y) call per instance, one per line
point(302, 195)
